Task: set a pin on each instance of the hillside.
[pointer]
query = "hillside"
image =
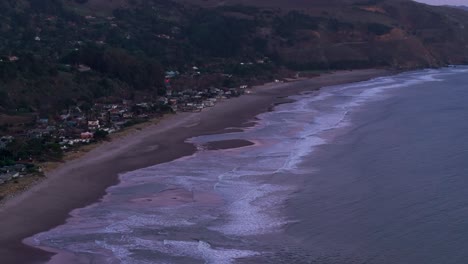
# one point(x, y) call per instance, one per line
point(460, 7)
point(60, 53)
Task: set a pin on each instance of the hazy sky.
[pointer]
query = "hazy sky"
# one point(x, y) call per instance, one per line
point(444, 2)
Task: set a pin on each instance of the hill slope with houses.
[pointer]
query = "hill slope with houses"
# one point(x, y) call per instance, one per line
point(59, 53)
point(72, 71)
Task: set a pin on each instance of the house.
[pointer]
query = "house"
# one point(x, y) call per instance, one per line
point(120, 124)
point(43, 121)
point(9, 173)
point(171, 74)
point(86, 135)
point(5, 177)
point(94, 125)
point(17, 168)
point(127, 115)
point(163, 36)
point(83, 68)
point(163, 100)
point(64, 116)
point(51, 128)
point(7, 139)
point(13, 58)
point(110, 130)
point(173, 101)
point(38, 133)
point(71, 123)
point(199, 107)
point(208, 103)
point(143, 105)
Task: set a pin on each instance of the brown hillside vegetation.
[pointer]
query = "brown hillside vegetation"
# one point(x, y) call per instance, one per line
point(346, 33)
point(399, 33)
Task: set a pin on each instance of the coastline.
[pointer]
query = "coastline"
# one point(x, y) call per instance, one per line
point(83, 181)
point(26, 183)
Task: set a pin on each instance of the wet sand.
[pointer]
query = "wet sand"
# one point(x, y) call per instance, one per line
point(83, 181)
point(227, 144)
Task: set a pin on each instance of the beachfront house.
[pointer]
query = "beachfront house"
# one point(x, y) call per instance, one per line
point(5, 177)
point(127, 115)
point(86, 135)
point(83, 68)
point(4, 141)
point(9, 173)
point(94, 125)
point(38, 133)
point(208, 103)
point(43, 121)
point(12, 58)
point(171, 74)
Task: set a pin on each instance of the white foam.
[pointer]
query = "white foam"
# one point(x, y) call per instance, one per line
point(119, 253)
point(195, 249)
point(134, 221)
point(203, 250)
point(252, 210)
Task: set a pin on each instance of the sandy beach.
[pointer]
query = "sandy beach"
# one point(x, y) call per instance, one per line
point(83, 181)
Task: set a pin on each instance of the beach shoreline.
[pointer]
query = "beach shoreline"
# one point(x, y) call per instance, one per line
point(83, 181)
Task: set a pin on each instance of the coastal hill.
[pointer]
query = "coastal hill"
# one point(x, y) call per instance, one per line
point(460, 7)
point(60, 53)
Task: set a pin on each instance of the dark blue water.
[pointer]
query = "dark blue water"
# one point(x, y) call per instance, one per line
point(393, 187)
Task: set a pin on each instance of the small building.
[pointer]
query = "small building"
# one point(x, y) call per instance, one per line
point(38, 133)
point(4, 141)
point(94, 125)
point(208, 103)
point(19, 167)
point(43, 121)
point(171, 74)
point(5, 177)
point(163, 100)
point(83, 68)
point(86, 135)
point(13, 58)
point(127, 115)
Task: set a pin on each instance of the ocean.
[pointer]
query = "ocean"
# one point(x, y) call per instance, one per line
point(372, 172)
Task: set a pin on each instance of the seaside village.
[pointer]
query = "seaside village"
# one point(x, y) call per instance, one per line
point(48, 138)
